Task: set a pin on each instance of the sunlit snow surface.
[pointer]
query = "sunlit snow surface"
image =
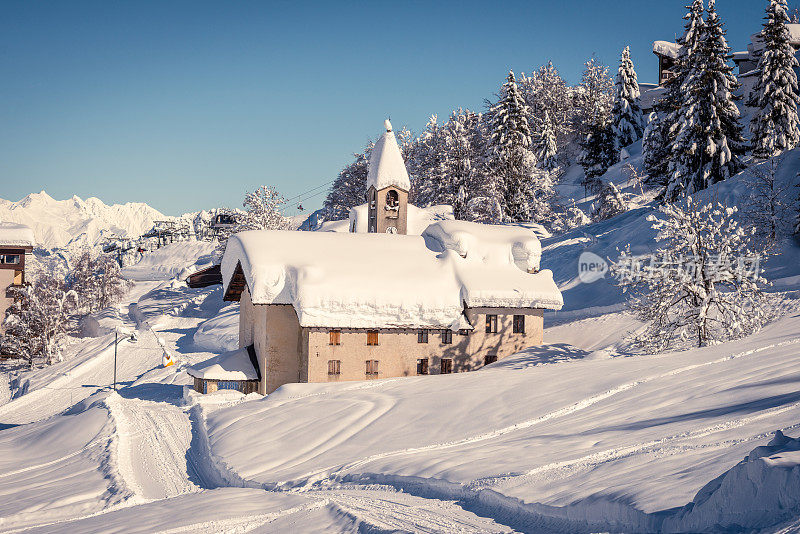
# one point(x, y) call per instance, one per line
point(560, 438)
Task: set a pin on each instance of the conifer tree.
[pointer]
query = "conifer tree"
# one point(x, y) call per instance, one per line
point(348, 189)
point(594, 98)
point(509, 148)
point(598, 154)
point(459, 159)
point(547, 149)
point(546, 92)
point(658, 152)
point(626, 114)
point(611, 203)
point(427, 166)
point(708, 137)
point(775, 123)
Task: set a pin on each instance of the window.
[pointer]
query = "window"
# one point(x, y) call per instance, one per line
point(392, 200)
point(9, 259)
point(372, 338)
point(491, 324)
point(334, 368)
point(335, 337)
point(447, 337)
point(491, 358)
point(422, 366)
point(519, 324)
point(372, 368)
point(463, 332)
point(447, 366)
point(422, 336)
point(228, 384)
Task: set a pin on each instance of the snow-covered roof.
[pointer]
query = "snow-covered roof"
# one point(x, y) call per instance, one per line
point(367, 280)
point(16, 235)
point(667, 48)
point(418, 219)
point(233, 365)
point(491, 244)
point(386, 165)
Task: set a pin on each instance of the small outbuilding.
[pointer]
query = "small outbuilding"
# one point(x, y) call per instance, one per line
point(236, 370)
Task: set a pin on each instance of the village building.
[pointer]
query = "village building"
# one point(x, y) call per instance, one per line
point(386, 299)
point(16, 244)
point(746, 61)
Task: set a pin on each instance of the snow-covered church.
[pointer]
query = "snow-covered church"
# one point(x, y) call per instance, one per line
point(400, 294)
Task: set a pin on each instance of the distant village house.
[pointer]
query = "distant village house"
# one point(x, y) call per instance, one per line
point(16, 244)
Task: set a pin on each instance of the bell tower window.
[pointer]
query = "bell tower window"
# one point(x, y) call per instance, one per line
point(392, 199)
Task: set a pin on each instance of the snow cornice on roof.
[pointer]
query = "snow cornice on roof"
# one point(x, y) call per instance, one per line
point(16, 235)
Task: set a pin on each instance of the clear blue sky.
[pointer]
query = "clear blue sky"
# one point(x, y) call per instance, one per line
point(187, 105)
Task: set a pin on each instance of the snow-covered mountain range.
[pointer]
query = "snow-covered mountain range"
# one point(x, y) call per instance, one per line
point(75, 221)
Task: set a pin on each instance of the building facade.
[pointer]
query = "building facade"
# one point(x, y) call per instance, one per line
point(16, 244)
point(288, 352)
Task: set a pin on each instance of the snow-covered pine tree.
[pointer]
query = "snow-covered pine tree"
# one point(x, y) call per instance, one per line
point(654, 149)
point(703, 283)
point(775, 122)
point(510, 150)
point(547, 151)
point(657, 153)
point(348, 189)
point(459, 156)
point(546, 92)
point(708, 142)
point(594, 98)
point(263, 210)
point(598, 154)
point(427, 165)
point(626, 114)
point(37, 321)
point(611, 203)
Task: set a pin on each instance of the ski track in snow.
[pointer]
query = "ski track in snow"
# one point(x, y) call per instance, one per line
point(340, 469)
point(154, 437)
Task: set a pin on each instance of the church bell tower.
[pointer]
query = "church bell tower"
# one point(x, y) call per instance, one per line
point(387, 187)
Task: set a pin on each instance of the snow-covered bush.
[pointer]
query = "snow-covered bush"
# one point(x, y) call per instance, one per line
point(769, 205)
point(37, 322)
point(702, 285)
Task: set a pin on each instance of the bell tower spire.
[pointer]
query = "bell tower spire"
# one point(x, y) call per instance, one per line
point(387, 186)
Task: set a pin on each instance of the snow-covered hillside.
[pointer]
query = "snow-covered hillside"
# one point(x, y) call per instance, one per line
point(561, 438)
point(57, 223)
